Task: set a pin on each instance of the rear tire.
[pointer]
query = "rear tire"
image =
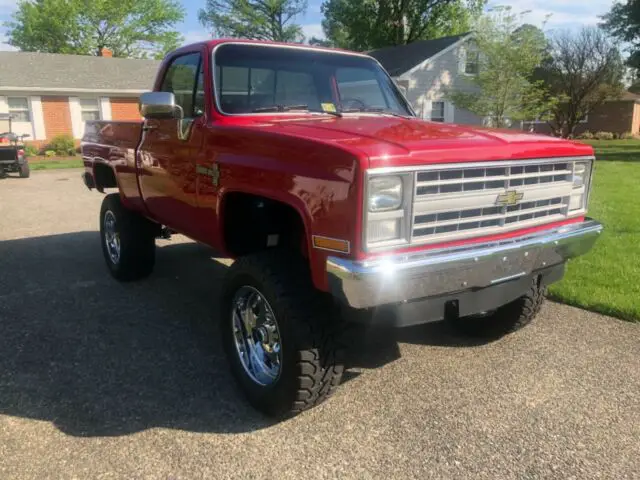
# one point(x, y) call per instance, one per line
point(128, 240)
point(310, 362)
point(25, 171)
point(508, 318)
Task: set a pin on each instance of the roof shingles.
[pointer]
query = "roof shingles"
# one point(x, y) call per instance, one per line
point(399, 59)
point(52, 71)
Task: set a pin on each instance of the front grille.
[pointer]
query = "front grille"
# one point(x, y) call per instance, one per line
point(461, 202)
point(490, 178)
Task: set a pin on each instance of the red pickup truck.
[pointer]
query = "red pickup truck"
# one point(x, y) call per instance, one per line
point(311, 170)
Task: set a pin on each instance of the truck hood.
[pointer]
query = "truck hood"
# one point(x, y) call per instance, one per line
point(388, 141)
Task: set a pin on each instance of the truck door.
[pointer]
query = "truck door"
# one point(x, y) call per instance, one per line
point(168, 148)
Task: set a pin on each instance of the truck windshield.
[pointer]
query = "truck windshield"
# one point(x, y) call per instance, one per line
point(262, 79)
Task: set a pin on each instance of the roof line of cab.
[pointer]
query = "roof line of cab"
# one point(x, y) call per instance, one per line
point(211, 44)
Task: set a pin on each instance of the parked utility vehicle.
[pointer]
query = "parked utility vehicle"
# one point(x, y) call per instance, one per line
point(12, 155)
point(310, 169)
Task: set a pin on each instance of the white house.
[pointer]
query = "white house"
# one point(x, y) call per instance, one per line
point(426, 69)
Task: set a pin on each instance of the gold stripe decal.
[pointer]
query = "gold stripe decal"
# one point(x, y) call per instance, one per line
point(331, 244)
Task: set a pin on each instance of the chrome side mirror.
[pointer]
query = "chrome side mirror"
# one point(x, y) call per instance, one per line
point(160, 105)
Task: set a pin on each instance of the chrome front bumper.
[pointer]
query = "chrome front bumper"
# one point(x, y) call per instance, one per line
point(399, 278)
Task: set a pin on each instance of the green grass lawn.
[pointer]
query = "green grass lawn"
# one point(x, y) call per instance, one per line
point(41, 163)
point(607, 279)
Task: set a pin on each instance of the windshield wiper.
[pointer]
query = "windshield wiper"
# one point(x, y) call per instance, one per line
point(290, 108)
point(377, 110)
point(281, 108)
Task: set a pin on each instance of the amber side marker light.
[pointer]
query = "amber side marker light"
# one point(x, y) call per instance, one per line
point(333, 244)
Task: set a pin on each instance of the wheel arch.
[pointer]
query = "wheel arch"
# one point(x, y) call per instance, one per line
point(294, 204)
point(104, 175)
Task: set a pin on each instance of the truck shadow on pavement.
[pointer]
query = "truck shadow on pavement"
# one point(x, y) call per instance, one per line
point(99, 358)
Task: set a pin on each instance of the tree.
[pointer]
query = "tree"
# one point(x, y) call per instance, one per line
point(623, 23)
point(129, 28)
point(255, 19)
point(369, 24)
point(584, 70)
point(508, 53)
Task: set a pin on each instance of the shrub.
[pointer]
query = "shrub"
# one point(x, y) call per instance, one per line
point(586, 135)
point(50, 153)
point(62, 145)
point(31, 150)
point(626, 136)
point(603, 136)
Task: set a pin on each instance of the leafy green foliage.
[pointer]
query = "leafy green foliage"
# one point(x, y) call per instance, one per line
point(31, 150)
point(369, 24)
point(50, 153)
point(584, 70)
point(129, 28)
point(254, 19)
point(62, 145)
point(623, 22)
point(503, 89)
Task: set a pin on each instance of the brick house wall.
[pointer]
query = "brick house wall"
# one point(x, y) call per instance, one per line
point(615, 117)
point(124, 109)
point(60, 115)
point(57, 116)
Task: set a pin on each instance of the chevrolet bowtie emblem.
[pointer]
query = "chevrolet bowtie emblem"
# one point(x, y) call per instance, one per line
point(512, 197)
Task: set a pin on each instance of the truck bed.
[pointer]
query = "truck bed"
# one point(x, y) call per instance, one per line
point(114, 144)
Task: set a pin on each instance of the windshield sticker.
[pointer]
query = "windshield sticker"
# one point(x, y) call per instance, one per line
point(328, 107)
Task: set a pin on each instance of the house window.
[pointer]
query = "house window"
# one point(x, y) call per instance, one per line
point(472, 61)
point(19, 108)
point(437, 111)
point(90, 109)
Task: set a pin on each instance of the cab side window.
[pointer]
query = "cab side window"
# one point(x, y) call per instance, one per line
point(184, 78)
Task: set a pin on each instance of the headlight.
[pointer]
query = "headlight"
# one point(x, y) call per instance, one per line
point(581, 178)
point(386, 215)
point(385, 193)
point(581, 174)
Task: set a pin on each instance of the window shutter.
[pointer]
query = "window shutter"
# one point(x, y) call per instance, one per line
point(449, 112)
point(462, 59)
point(426, 109)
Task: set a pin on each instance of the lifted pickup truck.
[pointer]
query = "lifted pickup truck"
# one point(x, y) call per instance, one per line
point(310, 169)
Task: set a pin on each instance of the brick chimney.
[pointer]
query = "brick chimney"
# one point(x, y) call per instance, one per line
point(105, 52)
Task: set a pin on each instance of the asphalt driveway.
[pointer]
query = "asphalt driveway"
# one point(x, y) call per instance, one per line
point(103, 380)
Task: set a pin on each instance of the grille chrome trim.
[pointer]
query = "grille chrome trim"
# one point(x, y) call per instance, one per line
point(492, 163)
point(472, 198)
point(427, 204)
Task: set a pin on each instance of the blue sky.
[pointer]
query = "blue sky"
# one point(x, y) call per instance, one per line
point(564, 14)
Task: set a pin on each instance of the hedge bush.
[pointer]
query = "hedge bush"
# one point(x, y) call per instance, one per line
point(63, 145)
point(603, 136)
point(31, 150)
point(586, 136)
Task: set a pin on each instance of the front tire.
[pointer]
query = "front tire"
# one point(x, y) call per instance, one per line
point(25, 171)
point(128, 240)
point(270, 296)
point(508, 318)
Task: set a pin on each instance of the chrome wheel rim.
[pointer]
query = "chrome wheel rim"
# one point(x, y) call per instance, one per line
point(256, 336)
point(111, 237)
